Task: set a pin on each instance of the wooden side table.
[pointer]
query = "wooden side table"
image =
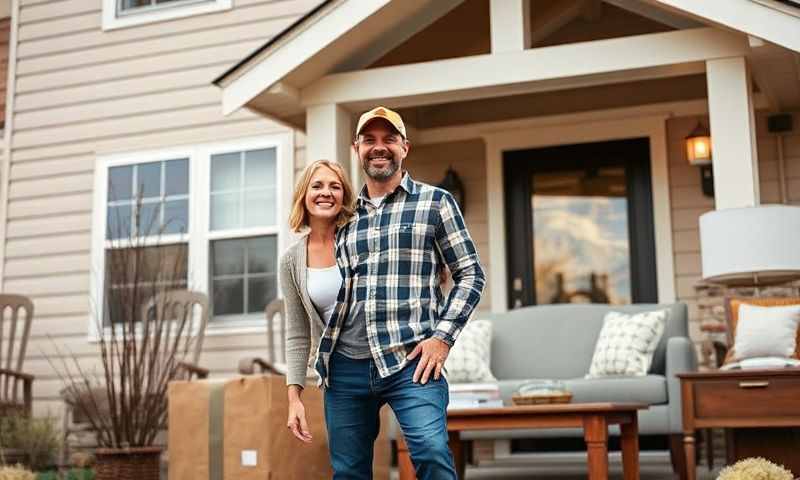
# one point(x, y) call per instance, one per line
point(754, 401)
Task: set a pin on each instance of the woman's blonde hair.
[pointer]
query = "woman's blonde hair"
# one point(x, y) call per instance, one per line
point(298, 218)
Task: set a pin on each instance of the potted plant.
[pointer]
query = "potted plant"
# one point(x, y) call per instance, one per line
point(126, 402)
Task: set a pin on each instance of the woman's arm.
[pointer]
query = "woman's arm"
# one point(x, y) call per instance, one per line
point(298, 328)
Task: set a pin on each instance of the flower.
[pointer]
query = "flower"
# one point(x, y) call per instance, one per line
point(755, 469)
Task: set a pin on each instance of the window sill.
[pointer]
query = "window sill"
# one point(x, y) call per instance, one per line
point(113, 22)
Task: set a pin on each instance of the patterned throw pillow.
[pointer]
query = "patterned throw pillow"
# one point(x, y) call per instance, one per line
point(468, 361)
point(627, 343)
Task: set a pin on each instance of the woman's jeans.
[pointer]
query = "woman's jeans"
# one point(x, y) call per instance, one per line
point(352, 402)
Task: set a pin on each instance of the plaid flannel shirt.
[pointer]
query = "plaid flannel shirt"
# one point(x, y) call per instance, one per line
point(389, 258)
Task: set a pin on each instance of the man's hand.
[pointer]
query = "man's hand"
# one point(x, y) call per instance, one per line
point(433, 352)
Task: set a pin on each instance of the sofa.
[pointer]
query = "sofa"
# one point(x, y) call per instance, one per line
point(558, 342)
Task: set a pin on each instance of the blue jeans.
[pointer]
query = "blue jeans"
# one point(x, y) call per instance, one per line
point(352, 402)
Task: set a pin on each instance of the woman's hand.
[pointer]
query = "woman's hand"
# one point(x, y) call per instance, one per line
point(297, 415)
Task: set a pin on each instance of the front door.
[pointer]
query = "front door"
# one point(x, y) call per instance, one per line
point(580, 224)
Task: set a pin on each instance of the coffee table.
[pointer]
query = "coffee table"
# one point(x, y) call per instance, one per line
point(594, 418)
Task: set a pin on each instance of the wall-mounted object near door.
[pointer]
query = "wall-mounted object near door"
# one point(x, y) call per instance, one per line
point(698, 153)
point(453, 184)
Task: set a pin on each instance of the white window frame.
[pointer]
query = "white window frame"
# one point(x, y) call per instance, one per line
point(199, 236)
point(114, 19)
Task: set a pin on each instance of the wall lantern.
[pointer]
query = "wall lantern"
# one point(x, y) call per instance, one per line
point(453, 184)
point(698, 152)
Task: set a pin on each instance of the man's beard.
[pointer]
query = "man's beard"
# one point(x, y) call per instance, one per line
point(381, 174)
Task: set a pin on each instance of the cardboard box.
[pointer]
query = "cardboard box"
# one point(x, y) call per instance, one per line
point(236, 430)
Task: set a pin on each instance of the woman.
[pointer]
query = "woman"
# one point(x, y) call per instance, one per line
point(310, 279)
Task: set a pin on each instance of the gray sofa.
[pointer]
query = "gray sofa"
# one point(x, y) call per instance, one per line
point(558, 341)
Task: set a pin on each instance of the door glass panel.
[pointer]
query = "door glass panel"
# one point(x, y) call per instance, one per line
point(580, 236)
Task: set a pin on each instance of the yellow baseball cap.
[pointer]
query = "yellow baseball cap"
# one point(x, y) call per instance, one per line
point(382, 112)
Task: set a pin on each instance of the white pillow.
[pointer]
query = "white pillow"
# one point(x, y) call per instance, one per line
point(766, 331)
point(627, 343)
point(468, 360)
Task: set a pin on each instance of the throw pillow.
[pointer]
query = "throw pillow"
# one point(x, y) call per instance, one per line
point(627, 343)
point(766, 331)
point(468, 360)
point(732, 306)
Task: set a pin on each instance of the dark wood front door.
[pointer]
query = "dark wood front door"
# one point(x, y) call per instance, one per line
point(580, 224)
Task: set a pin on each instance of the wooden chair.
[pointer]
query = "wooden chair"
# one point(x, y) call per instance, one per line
point(179, 305)
point(273, 362)
point(16, 387)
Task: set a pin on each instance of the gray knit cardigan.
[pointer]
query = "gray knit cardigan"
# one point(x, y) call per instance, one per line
point(303, 324)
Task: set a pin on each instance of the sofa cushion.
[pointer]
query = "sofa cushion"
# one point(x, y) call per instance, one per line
point(468, 361)
point(627, 343)
point(557, 341)
point(650, 389)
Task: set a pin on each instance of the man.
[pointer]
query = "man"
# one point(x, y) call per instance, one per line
point(392, 329)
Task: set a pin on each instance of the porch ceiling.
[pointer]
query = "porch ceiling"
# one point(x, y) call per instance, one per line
point(321, 60)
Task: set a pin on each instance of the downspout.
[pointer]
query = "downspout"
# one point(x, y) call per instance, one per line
point(782, 187)
point(5, 172)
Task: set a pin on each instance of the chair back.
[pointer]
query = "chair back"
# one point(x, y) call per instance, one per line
point(275, 309)
point(16, 316)
point(186, 327)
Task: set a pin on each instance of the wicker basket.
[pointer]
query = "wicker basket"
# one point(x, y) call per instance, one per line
point(518, 399)
point(138, 463)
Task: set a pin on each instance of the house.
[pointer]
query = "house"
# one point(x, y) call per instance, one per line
point(565, 120)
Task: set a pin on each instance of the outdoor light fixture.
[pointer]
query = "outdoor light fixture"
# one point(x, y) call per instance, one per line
point(698, 152)
point(453, 184)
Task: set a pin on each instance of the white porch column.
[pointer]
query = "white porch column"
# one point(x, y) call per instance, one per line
point(328, 134)
point(510, 25)
point(733, 137)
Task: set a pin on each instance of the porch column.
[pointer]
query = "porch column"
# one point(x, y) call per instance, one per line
point(510, 25)
point(328, 134)
point(733, 137)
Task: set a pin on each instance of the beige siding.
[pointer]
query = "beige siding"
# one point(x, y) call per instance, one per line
point(428, 163)
point(688, 202)
point(82, 92)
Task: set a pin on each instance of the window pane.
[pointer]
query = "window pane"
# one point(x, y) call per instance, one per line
point(120, 183)
point(261, 291)
point(118, 222)
point(177, 177)
point(176, 216)
point(149, 181)
point(228, 297)
point(227, 257)
point(127, 4)
point(261, 254)
point(149, 223)
point(225, 171)
point(225, 211)
point(260, 168)
point(134, 275)
point(259, 208)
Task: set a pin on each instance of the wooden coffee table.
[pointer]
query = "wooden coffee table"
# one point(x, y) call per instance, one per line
point(594, 418)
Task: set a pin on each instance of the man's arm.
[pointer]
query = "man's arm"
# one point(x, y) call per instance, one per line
point(458, 251)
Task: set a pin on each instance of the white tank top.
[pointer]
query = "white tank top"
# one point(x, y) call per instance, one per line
point(323, 288)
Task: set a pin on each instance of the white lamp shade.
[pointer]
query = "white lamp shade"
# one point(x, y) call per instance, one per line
point(751, 246)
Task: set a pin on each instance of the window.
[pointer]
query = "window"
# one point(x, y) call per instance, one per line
point(210, 218)
point(126, 13)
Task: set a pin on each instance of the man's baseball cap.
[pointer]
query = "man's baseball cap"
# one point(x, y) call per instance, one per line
point(382, 112)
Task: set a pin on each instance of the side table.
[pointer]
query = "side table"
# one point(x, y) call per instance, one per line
point(761, 404)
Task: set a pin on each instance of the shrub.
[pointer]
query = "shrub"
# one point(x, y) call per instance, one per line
point(16, 473)
point(38, 439)
point(755, 469)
